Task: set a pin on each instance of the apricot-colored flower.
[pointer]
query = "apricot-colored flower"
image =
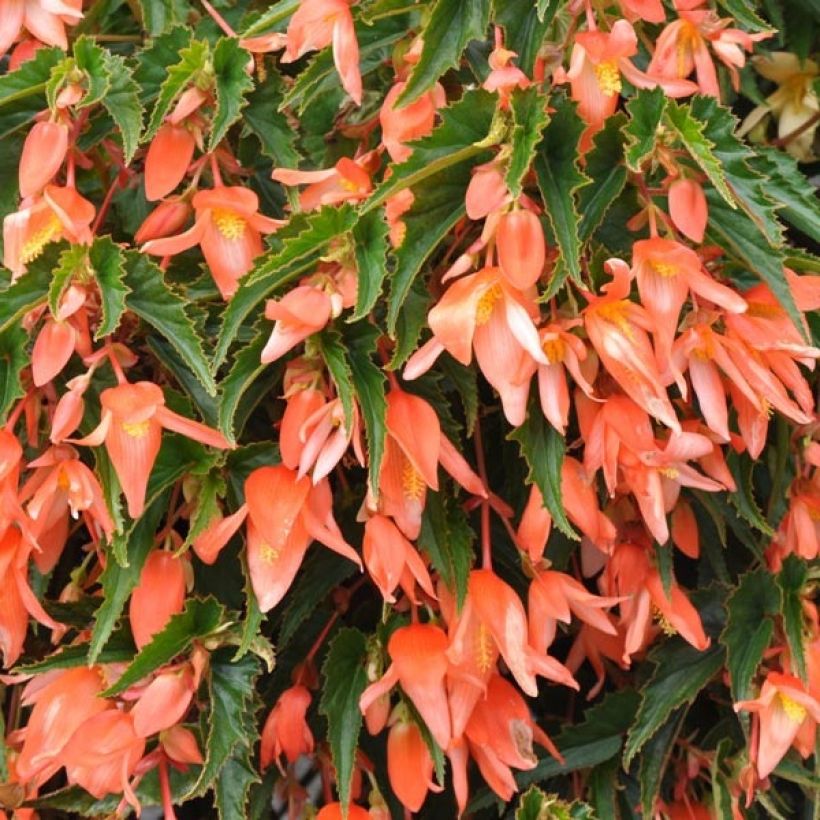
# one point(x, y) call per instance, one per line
point(300, 313)
point(521, 248)
point(783, 707)
point(408, 122)
point(286, 731)
point(43, 154)
point(228, 228)
point(688, 208)
point(409, 764)
point(347, 181)
point(159, 595)
point(167, 160)
point(164, 702)
point(43, 19)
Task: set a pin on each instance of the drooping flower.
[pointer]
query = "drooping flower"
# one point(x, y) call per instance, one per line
point(406, 123)
point(409, 763)
point(131, 425)
point(167, 160)
point(688, 208)
point(164, 702)
point(347, 181)
point(286, 731)
point(159, 595)
point(43, 19)
point(43, 154)
point(521, 248)
point(228, 228)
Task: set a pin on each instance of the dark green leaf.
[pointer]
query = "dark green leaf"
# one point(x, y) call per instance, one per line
point(72, 262)
point(655, 759)
point(198, 619)
point(749, 628)
point(192, 68)
point(107, 263)
point(232, 84)
point(160, 306)
point(410, 319)
point(263, 118)
point(118, 581)
point(464, 133)
point(792, 581)
point(605, 167)
point(29, 291)
point(529, 113)
point(13, 359)
point(447, 538)
point(119, 649)
point(91, 60)
point(744, 13)
point(298, 246)
point(158, 16)
point(452, 24)
point(525, 26)
point(22, 92)
point(370, 246)
point(345, 678)
point(681, 671)
point(743, 499)
point(543, 449)
point(646, 110)
point(559, 178)
point(329, 344)
point(245, 370)
point(122, 101)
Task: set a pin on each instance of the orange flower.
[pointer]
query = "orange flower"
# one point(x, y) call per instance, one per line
point(392, 560)
point(285, 514)
point(167, 218)
point(164, 702)
point(159, 595)
point(419, 663)
point(481, 311)
point(409, 122)
point(414, 447)
point(43, 154)
point(167, 160)
point(409, 764)
point(300, 313)
point(44, 19)
point(688, 208)
point(133, 418)
point(500, 610)
point(320, 23)
point(333, 811)
point(286, 731)
point(228, 228)
point(59, 337)
point(61, 213)
point(782, 708)
point(347, 181)
point(521, 248)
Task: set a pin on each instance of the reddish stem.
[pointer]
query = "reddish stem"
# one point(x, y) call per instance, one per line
point(486, 548)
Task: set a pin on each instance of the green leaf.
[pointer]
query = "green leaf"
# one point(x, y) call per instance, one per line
point(13, 360)
point(741, 238)
point(246, 368)
point(262, 117)
point(721, 795)
point(231, 686)
point(29, 291)
point(370, 247)
point(791, 581)
point(209, 489)
point(537, 805)
point(158, 16)
point(529, 113)
point(155, 59)
point(559, 178)
point(542, 447)
point(122, 101)
point(345, 678)
point(22, 92)
point(91, 60)
point(789, 188)
point(605, 167)
point(681, 671)
point(299, 245)
point(464, 133)
point(465, 381)
point(655, 759)
point(547, 8)
point(743, 499)
point(192, 68)
point(525, 27)
point(690, 132)
point(237, 775)
point(452, 24)
point(749, 628)
point(438, 204)
point(447, 538)
point(108, 266)
point(370, 385)
point(646, 110)
point(330, 346)
point(743, 12)
point(157, 304)
point(72, 262)
point(232, 84)
point(120, 649)
point(118, 581)
point(198, 619)
point(747, 185)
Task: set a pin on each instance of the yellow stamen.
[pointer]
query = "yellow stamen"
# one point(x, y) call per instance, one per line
point(794, 711)
point(136, 429)
point(268, 554)
point(616, 312)
point(412, 482)
point(687, 40)
point(665, 269)
point(554, 350)
point(669, 472)
point(62, 480)
point(484, 308)
point(37, 241)
point(229, 223)
point(609, 77)
point(483, 649)
point(663, 622)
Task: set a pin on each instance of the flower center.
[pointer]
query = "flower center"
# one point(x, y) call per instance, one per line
point(554, 350)
point(615, 312)
point(412, 481)
point(664, 269)
point(609, 77)
point(229, 223)
point(794, 711)
point(38, 240)
point(483, 649)
point(484, 308)
point(268, 554)
point(136, 429)
point(663, 622)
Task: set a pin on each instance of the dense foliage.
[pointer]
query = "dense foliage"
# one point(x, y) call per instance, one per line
point(268, 267)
